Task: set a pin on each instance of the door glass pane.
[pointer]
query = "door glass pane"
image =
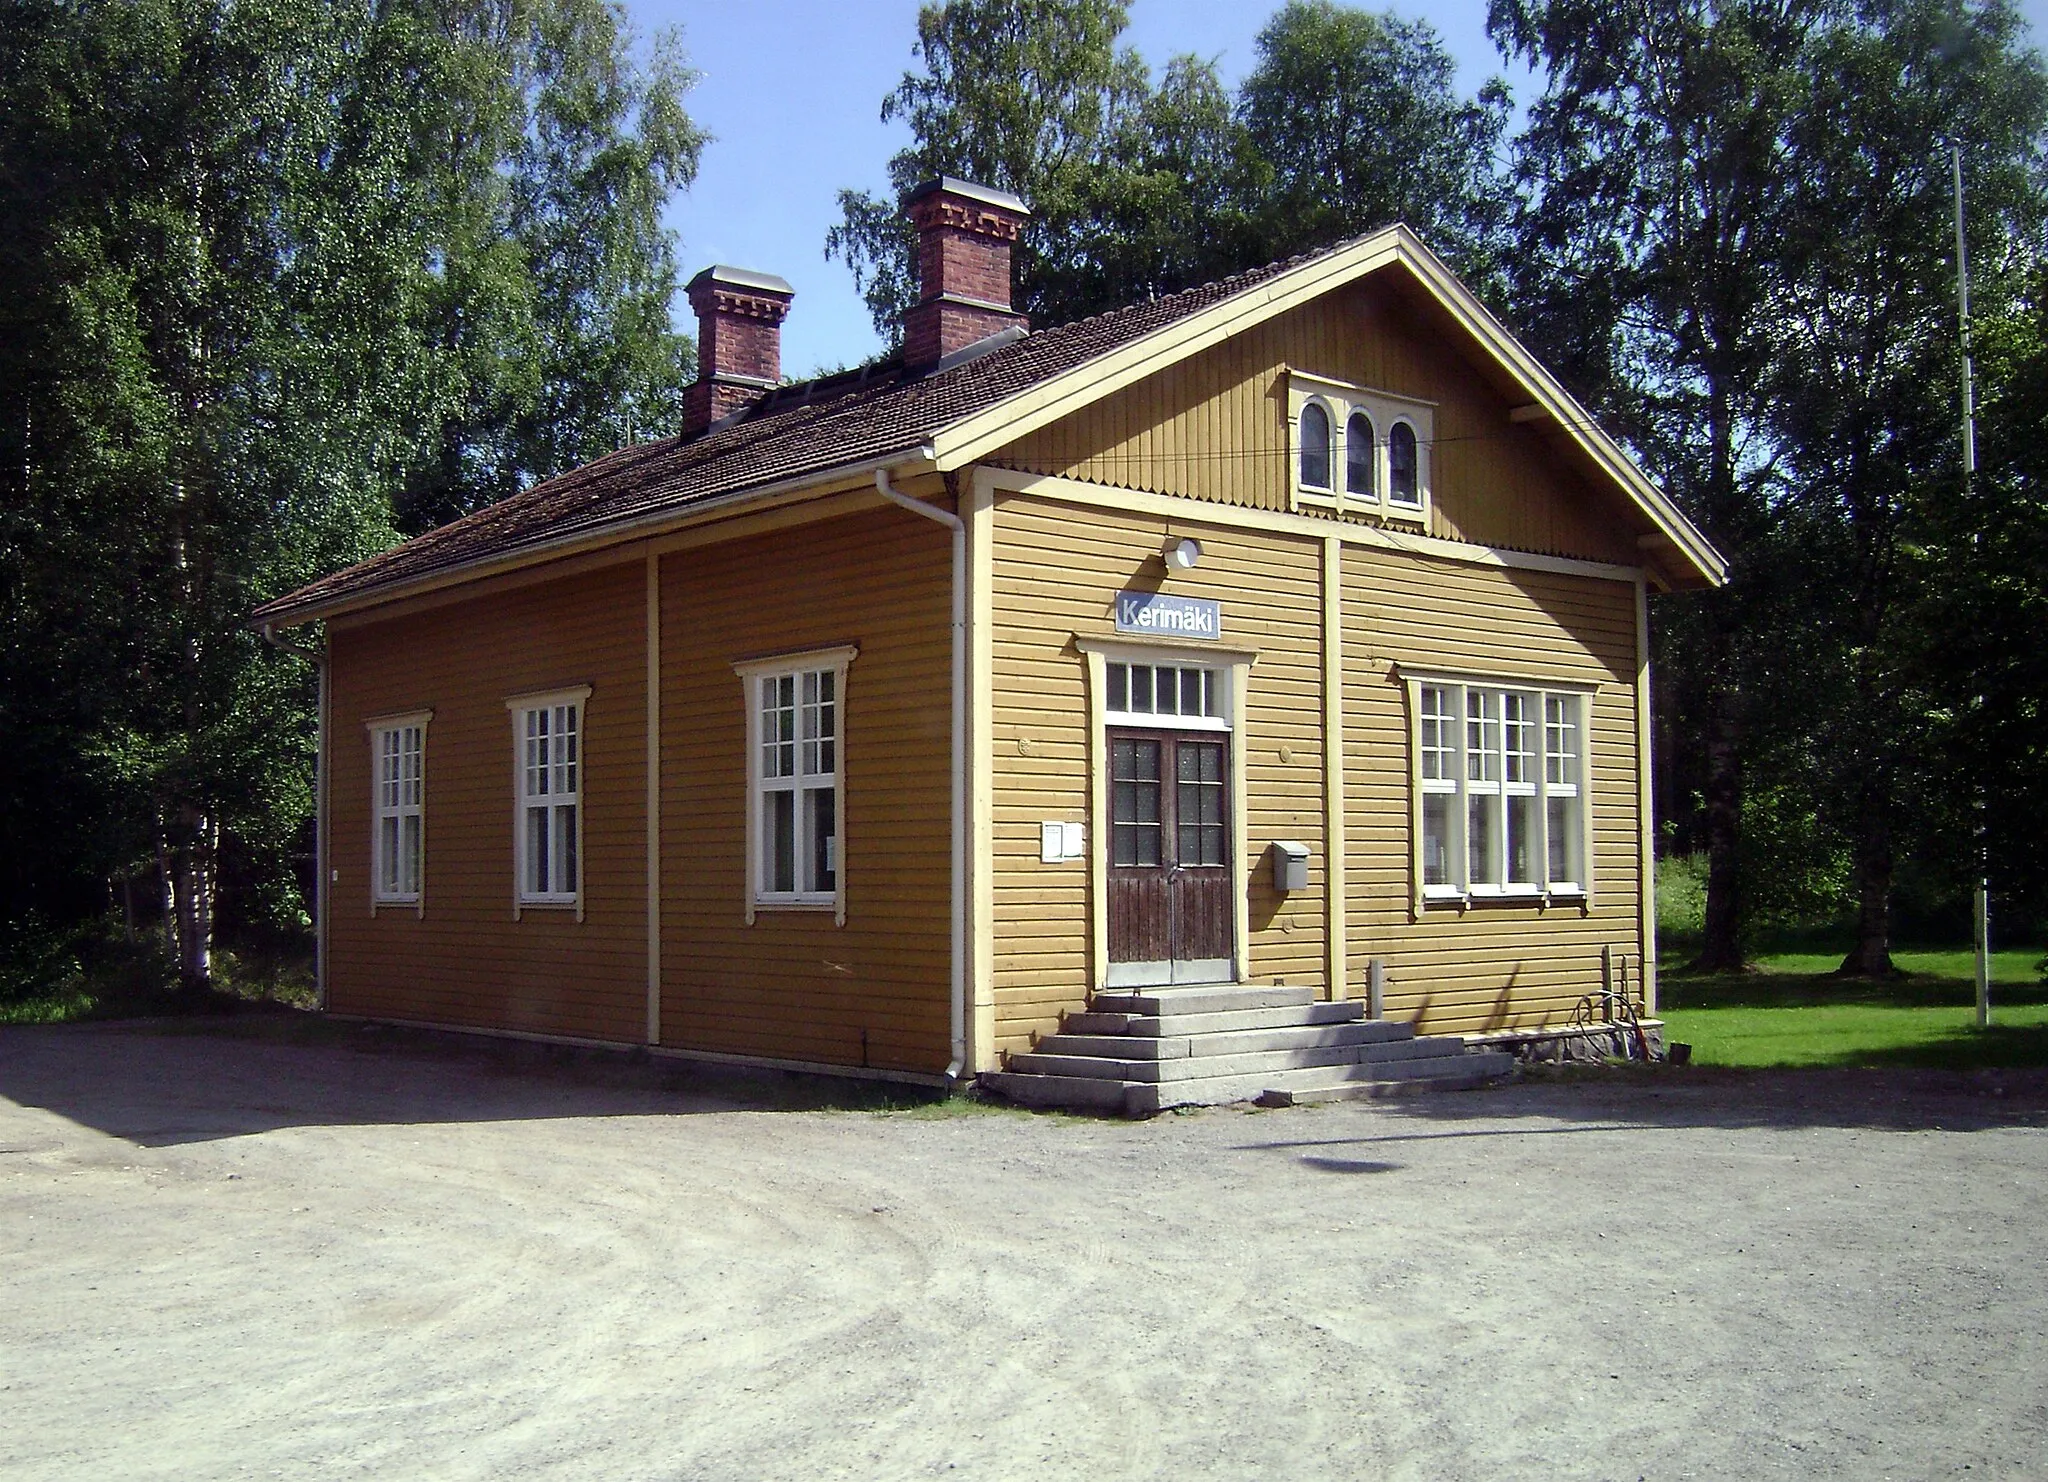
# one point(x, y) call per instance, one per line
point(1141, 689)
point(1191, 692)
point(1134, 804)
point(1199, 802)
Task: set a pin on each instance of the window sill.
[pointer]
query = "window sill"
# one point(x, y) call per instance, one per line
point(549, 903)
point(1509, 895)
point(802, 904)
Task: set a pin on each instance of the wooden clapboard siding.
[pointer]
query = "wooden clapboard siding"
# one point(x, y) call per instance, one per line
point(1492, 966)
point(1214, 427)
point(466, 961)
point(793, 985)
point(1056, 570)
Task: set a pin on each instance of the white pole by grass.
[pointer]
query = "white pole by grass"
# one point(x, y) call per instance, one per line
point(1981, 914)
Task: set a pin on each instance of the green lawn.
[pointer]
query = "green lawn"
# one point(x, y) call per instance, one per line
point(1792, 1011)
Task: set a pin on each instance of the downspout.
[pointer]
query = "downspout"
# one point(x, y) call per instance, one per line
point(958, 526)
point(318, 660)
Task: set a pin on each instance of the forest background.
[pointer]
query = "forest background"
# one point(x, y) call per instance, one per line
point(284, 281)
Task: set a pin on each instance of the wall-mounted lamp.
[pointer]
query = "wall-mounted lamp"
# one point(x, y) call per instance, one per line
point(1181, 555)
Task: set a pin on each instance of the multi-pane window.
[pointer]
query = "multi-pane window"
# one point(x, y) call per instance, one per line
point(1165, 693)
point(1379, 442)
point(797, 785)
point(1501, 774)
point(549, 734)
point(399, 751)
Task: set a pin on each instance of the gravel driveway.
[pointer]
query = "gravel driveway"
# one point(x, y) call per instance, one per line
point(262, 1248)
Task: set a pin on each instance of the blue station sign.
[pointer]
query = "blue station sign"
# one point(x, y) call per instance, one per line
point(1157, 615)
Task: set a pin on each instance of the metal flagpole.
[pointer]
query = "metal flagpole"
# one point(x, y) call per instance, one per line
point(1981, 912)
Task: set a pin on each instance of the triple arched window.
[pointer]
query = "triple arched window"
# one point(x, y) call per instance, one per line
point(1360, 450)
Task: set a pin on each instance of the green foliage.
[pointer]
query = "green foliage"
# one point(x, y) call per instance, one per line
point(1359, 124)
point(285, 277)
point(1348, 122)
point(1738, 238)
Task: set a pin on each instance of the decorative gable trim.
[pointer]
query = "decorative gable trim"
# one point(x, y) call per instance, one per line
point(976, 437)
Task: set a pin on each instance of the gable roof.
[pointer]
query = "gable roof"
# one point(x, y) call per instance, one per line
point(953, 415)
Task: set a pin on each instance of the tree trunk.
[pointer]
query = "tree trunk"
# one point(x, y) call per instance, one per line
point(1871, 956)
point(192, 867)
point(1721, 931)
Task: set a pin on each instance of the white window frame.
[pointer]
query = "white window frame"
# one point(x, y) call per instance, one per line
point(1443, 764)
point(577, 698)
point(1339, 400)
point(1213, 714)
point(1332, 489)
point(388, 802)
point(755, 675)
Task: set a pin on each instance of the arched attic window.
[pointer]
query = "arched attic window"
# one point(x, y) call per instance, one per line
point(1403, 483)
point(1315, 447)
point(1361, 459)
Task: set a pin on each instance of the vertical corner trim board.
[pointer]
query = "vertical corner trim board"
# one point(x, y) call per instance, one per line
point(1645, 821)
point(1334, 868)
point(653, 798)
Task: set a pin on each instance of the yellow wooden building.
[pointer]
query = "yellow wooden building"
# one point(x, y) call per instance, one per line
point(1287, 631)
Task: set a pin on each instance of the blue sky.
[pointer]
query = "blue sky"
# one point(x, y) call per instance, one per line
point(792, 92)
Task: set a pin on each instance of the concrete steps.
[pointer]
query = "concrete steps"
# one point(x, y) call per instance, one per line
point(1143, 1052)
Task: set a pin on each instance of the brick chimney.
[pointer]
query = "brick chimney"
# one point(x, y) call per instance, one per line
point(964, 236)
point(739, 342)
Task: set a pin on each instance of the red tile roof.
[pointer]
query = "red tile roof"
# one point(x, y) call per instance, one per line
point(800, 430)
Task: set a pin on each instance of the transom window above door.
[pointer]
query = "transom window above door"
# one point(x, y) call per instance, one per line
point(1173, 696)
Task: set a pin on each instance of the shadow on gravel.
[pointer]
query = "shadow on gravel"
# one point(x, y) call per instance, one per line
point(1620, 1100)
point(158, 1083)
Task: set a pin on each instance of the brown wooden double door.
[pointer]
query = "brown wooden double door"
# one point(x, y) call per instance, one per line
point(1169, 858)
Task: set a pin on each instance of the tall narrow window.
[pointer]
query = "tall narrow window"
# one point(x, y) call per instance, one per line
point(1482, 787)
point(1441, 840)
point(398, 747)
point(1500, 782)
point(1315, 446)
point(1361, 459)
point(1564, 820)
point(547, 735)
point(1404, 485)
point(796, 729)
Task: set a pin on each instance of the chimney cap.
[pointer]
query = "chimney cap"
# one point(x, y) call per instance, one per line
point(987, 195)
point(742, 278)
